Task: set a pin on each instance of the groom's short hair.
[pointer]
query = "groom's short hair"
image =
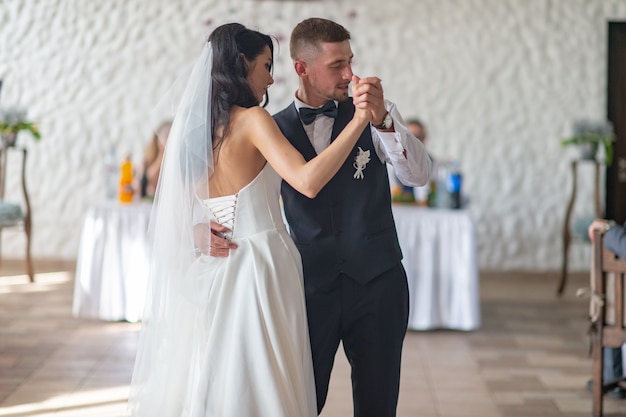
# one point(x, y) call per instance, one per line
point(312, 32)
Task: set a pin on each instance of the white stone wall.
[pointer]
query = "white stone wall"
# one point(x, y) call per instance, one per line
point(498, 82)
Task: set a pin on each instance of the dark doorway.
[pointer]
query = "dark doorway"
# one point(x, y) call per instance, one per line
point(616, 113)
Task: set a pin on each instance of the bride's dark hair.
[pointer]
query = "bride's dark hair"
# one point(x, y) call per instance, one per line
point(230, 44)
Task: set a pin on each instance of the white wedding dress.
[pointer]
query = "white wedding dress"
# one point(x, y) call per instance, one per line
point(242, 347)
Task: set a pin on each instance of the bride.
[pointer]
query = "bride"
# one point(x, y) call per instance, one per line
point(228, 336)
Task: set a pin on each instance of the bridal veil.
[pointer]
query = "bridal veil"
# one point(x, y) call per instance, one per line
point(165, 341)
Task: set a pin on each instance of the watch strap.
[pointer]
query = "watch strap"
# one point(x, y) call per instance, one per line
point(386, 124)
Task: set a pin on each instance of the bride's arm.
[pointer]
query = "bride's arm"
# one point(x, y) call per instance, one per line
point(306, 177)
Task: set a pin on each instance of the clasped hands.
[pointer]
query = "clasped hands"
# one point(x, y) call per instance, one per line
point(368, 97)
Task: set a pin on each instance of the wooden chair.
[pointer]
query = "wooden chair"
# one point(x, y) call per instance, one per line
point(607, 315)
point(12, 213)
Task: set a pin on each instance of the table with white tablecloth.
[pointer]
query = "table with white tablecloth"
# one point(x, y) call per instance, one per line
point(112, 263)
point(439, 248)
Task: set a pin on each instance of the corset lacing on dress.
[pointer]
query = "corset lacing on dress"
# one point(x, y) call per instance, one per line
point(223, 211)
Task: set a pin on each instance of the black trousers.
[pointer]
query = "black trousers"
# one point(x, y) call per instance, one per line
point(371, 321)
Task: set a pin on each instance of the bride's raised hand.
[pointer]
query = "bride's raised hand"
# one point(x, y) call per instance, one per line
point(362, 100)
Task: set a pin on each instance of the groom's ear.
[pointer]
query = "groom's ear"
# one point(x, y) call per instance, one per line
point(300, 67)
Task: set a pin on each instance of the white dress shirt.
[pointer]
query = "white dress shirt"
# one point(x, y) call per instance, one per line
point(412, 169)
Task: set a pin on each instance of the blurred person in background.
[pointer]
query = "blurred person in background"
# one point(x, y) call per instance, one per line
point(405, 193)
point(152, 159)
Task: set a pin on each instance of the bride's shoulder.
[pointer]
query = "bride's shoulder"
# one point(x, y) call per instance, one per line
point(250, 113)
point(253, 119)
point(250, 117)
point(257, 114)
point(250, 120)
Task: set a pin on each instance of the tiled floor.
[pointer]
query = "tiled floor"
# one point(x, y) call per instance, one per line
point(528, 359)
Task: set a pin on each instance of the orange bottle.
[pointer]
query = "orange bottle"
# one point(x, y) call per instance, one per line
point(126, 192)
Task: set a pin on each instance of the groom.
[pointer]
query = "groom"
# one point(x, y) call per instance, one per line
point(355, 285)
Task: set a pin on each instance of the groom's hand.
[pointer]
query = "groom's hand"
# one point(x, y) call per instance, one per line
point(209, 242)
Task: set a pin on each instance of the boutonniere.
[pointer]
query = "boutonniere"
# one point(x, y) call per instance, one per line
point(360, 160)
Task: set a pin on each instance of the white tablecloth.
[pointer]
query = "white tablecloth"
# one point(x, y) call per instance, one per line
point(439, 250)
point(439, 257)
point(112, 263)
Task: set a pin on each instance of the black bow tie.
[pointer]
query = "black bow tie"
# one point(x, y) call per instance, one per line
point(308, 114)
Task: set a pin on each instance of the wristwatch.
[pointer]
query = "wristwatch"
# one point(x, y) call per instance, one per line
point(386, 124)
point(608, 225)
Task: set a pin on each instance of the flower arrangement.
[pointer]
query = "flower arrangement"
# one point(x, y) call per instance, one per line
point(589, 136)
point(12, 121)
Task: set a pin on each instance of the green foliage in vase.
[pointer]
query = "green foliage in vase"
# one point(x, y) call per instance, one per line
point(599, 134)
point(13, 120)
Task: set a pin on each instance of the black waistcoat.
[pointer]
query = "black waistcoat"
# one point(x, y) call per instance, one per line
point(348, 228)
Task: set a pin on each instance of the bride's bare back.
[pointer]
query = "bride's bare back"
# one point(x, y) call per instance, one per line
point(238, 161)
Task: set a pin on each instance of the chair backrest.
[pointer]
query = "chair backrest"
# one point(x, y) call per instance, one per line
point(609, 273)
point(607, 314)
